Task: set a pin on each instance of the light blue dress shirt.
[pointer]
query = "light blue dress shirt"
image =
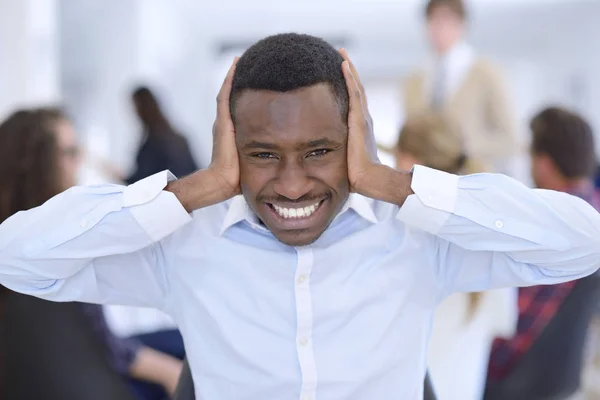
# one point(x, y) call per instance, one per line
point(347, 317)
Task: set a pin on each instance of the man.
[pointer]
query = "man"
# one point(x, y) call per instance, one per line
point(563, 159)
point(468, 88)
point(320, 281)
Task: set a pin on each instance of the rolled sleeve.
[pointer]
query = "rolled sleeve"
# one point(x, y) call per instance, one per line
point(98, 244)
point(158, 212)
point(123, 353)
point(490, 230)
point(433, 201)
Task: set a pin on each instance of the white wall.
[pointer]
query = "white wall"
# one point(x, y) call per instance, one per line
point(29, 63)
point(173, 44)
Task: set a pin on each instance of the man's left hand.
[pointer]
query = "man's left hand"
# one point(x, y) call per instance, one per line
point(366, 175)
point(362, 149)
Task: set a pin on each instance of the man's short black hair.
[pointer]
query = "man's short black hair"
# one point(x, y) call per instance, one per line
point(290, 61)
point(567, 139)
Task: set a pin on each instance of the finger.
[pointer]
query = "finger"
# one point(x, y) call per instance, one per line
point(344, 53)
point(357, 106)
point(225, 92)
point(361, 88)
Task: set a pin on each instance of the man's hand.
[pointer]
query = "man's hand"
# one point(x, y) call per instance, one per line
point(225, 163)
point(366, 175)
point(221, 180)
point(362, 149)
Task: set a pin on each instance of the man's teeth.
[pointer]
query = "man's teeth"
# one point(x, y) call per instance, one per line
point(296, 212)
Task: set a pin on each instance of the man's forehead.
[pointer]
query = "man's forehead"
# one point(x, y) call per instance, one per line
point(261, 106)
point(283, 118)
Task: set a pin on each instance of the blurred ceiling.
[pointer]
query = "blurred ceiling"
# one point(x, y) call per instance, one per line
point(382, 34)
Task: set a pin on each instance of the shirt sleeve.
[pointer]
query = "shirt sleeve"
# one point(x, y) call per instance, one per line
point(491, 231)
point(96, 244)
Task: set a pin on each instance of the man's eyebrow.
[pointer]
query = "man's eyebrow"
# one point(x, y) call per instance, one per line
point(311, 144)
point(260, 145)
point(323, 142)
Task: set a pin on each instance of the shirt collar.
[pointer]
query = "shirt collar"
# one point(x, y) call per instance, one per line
point(239, 210)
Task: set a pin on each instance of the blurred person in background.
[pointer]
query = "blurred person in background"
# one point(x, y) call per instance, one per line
point(162, 147)
point(41, 158)
point(459, 82)
point(465, 324)
point(563, 159)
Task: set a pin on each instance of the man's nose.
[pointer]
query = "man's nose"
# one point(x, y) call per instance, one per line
point(292, 181)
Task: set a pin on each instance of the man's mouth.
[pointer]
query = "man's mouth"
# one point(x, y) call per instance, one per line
point(297, 212)
point(296, 216)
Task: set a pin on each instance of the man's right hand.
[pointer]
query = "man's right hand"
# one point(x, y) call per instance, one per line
point(221, 180)
point(225, 163)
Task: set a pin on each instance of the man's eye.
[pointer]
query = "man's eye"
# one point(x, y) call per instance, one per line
point(318, 153)
point(264, 156)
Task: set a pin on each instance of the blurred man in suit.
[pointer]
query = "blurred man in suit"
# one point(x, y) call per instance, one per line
point(466, 87)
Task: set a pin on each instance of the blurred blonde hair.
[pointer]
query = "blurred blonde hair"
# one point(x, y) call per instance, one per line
point(435, 141)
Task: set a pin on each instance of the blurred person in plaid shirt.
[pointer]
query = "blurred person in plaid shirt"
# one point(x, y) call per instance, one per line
point(563, 159)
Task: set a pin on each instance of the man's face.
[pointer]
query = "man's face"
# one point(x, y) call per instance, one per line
point(293, 165)
point(444, 28)
point(543, 171)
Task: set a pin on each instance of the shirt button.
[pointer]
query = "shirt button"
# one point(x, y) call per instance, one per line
point(499, 224)
point(301, 279)
point(85, 223)
point(303, 341)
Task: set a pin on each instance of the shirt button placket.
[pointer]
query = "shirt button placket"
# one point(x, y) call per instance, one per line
point(304, 320)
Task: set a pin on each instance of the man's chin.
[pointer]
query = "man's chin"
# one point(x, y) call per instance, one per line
point(300, 237)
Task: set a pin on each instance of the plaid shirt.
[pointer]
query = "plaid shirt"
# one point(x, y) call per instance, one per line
point(537, 306)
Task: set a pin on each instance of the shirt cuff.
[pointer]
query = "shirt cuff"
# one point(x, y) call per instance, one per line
point(124, 352)
point(433, 201)
point(157, 211)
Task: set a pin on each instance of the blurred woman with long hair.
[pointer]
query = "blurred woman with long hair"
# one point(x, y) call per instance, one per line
point(465, 324)
point(40, 159)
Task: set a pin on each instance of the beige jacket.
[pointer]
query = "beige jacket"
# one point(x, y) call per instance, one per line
point(479, 104)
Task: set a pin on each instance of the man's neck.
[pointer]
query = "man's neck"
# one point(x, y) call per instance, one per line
point(442, 55)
